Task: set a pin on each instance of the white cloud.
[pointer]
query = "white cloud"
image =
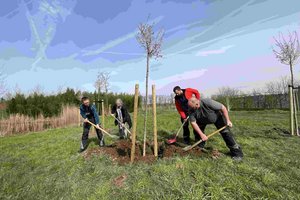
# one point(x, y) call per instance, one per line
point(214, 52)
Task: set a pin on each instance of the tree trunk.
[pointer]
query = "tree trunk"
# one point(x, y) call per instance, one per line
point(292, 75)
point(293, 96)
point(146, 107)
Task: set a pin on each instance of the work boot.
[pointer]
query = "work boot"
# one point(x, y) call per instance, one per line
point(81, 150)
point(201, 145)
point(237, 158)
point(83, 146)
point(102, 143)
point(187, 141)
point(237, 153)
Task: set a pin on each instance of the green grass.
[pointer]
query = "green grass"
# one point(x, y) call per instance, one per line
point(46, 165)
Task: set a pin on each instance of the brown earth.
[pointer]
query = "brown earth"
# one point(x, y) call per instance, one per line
point(119, 181)
point(120, 152)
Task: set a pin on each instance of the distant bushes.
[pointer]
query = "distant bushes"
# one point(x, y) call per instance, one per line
point(37, 104)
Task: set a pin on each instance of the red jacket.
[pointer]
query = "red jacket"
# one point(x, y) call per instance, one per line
point(188, 93)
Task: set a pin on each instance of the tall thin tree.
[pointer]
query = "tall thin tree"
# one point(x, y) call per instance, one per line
point(151, 43)
point(287, 50)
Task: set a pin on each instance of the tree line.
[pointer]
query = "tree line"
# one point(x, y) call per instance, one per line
point(36, 104)
point(274, 95)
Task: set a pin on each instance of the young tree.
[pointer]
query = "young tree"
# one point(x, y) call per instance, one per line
point(287, 51)
point(151, 43)
point(102, 84)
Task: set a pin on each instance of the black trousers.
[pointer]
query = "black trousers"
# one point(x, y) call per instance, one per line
point(121, 132)
point(85, 134)
point(226, 134)
point(186, 132)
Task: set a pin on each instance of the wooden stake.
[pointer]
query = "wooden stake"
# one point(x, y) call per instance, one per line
point(135, 113)
point(291, 109)
point(228, 103)
point(79, 119)
point(154, 121)
point(295, 114)
point(103, 114)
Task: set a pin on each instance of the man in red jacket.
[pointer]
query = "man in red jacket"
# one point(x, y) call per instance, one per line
point(181, 101)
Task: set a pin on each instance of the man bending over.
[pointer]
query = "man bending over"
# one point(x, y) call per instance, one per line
point(208, 111)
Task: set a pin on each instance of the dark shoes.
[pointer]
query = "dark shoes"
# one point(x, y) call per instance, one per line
point(237, 154)
point(81, 150)
point(237, 158)
point(102, 143)
point(187, 142)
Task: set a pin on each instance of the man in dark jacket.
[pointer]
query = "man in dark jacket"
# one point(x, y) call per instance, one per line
point(122, 116)
point(181, 102)
point(208, 111)
point(89, 113)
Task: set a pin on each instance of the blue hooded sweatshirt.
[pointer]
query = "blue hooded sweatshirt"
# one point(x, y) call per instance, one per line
point(89, 112)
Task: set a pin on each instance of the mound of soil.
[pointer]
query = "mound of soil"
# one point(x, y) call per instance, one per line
point(120, 152)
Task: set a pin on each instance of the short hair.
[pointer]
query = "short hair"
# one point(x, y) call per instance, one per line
point(176, 88)
point(84, 99)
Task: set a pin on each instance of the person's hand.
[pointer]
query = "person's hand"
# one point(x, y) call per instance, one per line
point(123, 125)
point(204, 137)
point(86, 120)
point(185, 120)
point(98, 126)
point(229, 123)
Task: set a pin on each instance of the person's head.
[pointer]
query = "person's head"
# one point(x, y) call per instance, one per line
point(85, 101)
point(178, 91)
point(194, 103)
point(119, 103)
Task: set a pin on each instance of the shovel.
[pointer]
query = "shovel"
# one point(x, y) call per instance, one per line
point(173, 140)
point(104, 131)
point(212, 134)
point(121, 123)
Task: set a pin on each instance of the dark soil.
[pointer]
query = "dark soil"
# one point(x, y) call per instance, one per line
point(120, 152)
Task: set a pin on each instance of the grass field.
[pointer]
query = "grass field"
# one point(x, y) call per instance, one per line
point(46, 165)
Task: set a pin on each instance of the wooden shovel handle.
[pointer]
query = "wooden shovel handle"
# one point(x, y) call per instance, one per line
point(121, 123)
point(210, 135)
point(181, 127)
point(104, 131)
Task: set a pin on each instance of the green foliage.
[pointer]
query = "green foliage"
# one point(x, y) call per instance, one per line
point(51, 105)
point(40, 104)
point(46, 165)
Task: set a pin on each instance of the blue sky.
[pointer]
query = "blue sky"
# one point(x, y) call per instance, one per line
point(208, 43)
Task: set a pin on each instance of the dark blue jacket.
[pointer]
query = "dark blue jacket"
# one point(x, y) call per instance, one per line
point(89, 112)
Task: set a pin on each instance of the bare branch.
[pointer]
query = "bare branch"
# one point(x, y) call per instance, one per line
point(149, 41)
point(102, 82)
point(287, 50)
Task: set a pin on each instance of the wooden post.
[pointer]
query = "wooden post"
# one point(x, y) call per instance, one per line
point(291, 110)
point(79, 119)
point(109, 109)
point(135, 113)
point(228, 103)
point(297, 99)
point(154, 121)
point(102, 111)
point(295, 114)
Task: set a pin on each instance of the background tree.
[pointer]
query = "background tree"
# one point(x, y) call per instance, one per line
point(102, 85)
point(287, 51)
point(151, 43)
